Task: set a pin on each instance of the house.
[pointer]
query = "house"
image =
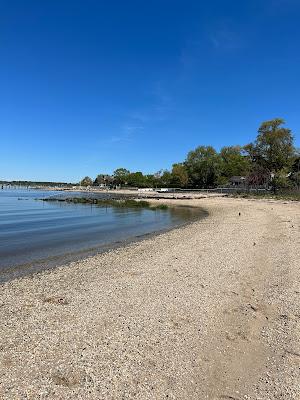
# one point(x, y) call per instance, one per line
point(237, 181)
point(105, 181)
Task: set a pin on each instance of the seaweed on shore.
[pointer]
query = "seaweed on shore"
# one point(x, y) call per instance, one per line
point(292, 196)
point(121, 203)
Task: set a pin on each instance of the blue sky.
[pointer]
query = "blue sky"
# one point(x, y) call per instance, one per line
point(89, 86)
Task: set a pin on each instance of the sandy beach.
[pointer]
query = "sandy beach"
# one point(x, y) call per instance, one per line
point(209, 310)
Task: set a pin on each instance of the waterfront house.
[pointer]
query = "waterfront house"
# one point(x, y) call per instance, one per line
point(238, 181)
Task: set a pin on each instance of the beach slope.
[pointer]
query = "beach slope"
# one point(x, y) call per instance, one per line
point(209, 310)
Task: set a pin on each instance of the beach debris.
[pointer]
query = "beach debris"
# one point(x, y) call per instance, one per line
point(284, 316)
point(68, 379)
point(56, 300)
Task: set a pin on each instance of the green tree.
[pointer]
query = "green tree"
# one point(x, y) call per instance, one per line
point(180, 175)
point(295, 176)
point(156, 178)
point(137, 179)
point(234, 162)
point(87, 181)
point(121, 176)
point(166, 179)
point(281, 180)
point(203, 166)
point(296, 179)
point(149, 180)
point(272, 152)
point(273, 148)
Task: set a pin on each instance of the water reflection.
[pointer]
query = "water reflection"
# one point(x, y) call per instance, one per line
point(34, 231)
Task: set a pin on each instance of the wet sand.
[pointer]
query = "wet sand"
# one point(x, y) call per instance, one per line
point(205, 311)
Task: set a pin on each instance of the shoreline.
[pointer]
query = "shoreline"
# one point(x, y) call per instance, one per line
point(206, 310)
point(29, 269)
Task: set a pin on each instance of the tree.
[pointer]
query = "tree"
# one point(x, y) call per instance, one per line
point(157, 178)
point(272, 153)
point(295, 176)
point(203, 166)
point(258, 176)
point(87, 181)
point(180, 175)
point(281, 180)
point(234, 162)
point(166, 178)
point(121, 176)
point(137, 179)
point(274, 147)
point(149, 180)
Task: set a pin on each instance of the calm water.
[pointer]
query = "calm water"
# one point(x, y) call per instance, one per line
point(34, 231)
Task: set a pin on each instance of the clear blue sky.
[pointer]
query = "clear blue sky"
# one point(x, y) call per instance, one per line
point(87, 86)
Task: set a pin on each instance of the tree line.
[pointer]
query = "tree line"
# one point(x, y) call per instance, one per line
point(270, 161)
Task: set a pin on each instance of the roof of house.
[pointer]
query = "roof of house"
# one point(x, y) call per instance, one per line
point(237, 179)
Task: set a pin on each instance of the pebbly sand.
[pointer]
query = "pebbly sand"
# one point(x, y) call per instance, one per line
point(206, 311)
